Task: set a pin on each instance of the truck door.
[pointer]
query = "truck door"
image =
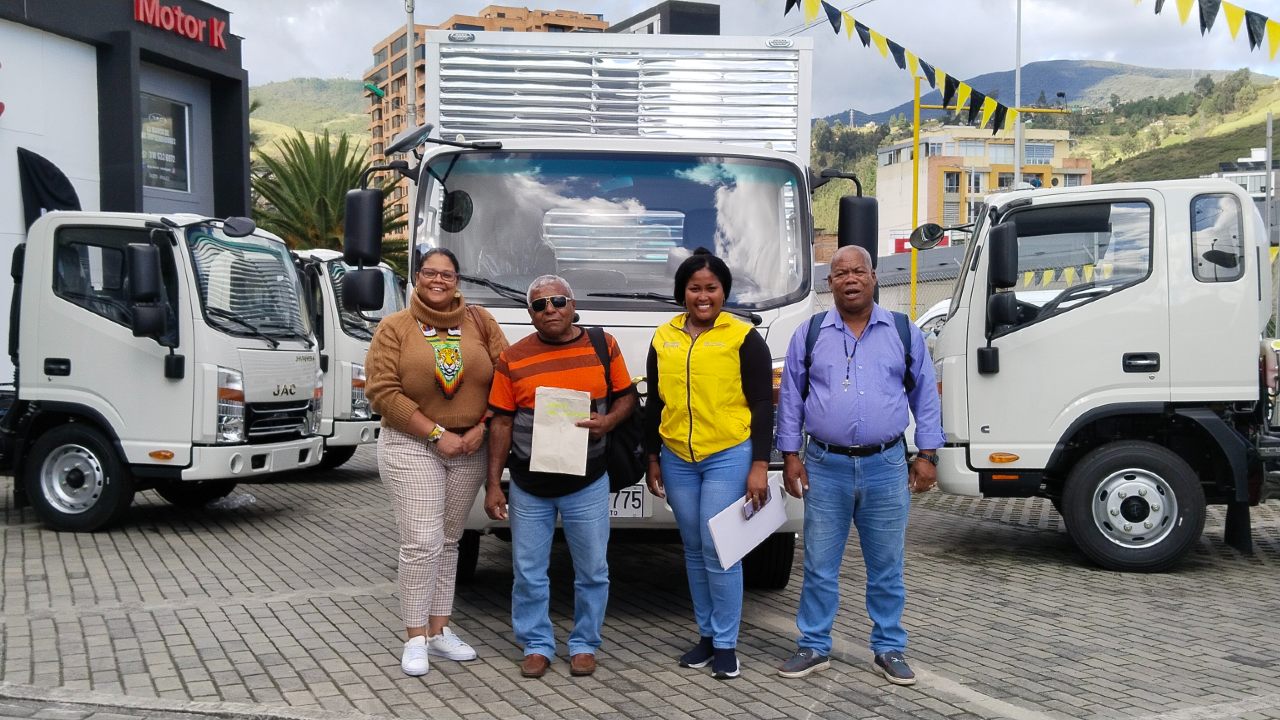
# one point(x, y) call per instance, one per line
point(1092, 327)
point(87, 354)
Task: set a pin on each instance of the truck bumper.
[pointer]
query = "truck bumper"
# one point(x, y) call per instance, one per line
point(954, 475)
point(656, 513)
point(353, 432)
point(240, 462)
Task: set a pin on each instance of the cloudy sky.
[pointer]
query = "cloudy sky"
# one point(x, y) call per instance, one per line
point(333, 38)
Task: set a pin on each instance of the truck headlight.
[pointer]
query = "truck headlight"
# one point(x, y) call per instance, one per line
point(230, 406)
point(317, 405)
point(360, 409)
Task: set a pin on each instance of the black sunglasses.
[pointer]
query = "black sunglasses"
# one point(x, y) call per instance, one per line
point(557, 301)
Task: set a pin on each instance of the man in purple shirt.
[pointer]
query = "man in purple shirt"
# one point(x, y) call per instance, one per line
point(852, 403)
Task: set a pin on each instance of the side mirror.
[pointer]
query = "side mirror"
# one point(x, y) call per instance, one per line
point(144, 273)
point(362, 290)
point(238, 227)
point(1003, 250)
point(362, 228)
point(927, 236)
point(1002, 309)
point(148, 321)
point(859, 224)
point(1221, 258)
point(409, 139)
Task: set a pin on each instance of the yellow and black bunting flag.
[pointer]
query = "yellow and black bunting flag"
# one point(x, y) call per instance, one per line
point(981, 109)
point(1258, 27)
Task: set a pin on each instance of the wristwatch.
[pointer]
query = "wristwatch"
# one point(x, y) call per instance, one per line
point(436, 433)
point(929, 455)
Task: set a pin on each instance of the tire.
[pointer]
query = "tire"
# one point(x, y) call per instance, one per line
point(1134, 506)
point(74, 479)
point(768, 566)
point(195, 494)
point(468, 556)
point(333, 457)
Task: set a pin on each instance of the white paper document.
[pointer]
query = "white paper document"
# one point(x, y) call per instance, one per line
point(559, 446)
point(735, 536)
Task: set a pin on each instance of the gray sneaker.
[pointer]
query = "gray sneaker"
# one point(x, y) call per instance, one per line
point(805, 661)
point(895, 669)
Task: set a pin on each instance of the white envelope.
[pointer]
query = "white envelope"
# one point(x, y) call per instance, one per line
point(735, 536)
point(559, 445)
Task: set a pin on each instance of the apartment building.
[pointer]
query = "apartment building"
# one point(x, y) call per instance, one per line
point(959, 166)
point(388, 107)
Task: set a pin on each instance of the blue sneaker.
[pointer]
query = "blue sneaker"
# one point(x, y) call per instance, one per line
point(724, 664)
point(895, 669)
point(699, 656)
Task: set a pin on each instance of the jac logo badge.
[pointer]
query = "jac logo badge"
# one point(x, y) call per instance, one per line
point(289, 389)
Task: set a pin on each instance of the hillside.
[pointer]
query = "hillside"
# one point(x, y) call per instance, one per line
point(314, 104)
point(1189, 159)
point(1085, 83)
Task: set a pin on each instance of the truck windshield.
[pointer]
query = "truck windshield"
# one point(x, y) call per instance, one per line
point(352, 324)
point(250, 278)
point(617, 223)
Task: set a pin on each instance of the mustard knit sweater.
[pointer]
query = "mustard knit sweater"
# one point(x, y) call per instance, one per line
point(400, 366)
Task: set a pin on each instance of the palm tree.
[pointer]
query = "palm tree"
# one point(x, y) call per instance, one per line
point(302, 192)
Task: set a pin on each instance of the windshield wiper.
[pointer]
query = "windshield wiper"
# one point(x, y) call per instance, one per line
point(505, 291)
point(754, 318)
point(253, 329)
point(290, 332)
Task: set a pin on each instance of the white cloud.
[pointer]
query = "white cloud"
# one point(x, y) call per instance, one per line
point(334, 38)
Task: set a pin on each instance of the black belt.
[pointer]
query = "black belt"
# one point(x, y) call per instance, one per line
point(856, 450)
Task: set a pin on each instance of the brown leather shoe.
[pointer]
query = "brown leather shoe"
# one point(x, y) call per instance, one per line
point(535, 666)
point(582, 664)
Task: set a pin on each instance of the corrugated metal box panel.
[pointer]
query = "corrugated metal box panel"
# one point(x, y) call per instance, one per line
point(741, 96)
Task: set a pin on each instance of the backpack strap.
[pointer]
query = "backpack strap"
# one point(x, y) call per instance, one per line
point(904, 333)
point(810, 339)
point(900, 321)
point(601, 345)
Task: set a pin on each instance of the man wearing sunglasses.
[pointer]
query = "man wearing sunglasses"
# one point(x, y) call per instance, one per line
point(558, 354)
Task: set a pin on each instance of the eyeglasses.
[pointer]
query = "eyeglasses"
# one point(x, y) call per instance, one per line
point(430, 273)
point(557, 301)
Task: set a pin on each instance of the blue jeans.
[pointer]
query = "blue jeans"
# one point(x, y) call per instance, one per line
point(697, 491)
point(872, 492)
point(585, 518)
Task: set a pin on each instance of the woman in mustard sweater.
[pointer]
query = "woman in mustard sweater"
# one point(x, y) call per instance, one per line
point(710, 421)
point(429, 369)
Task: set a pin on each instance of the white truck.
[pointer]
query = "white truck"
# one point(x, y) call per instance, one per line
point(607, 159)
point(153, 351)
point(1142, 391)
point(347, 422)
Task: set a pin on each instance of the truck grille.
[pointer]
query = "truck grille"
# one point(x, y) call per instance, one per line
point(273, 422)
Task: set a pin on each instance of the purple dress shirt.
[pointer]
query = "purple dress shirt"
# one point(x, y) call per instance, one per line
point(856, 395)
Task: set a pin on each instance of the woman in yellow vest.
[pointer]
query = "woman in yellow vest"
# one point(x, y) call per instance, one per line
point(709, 416)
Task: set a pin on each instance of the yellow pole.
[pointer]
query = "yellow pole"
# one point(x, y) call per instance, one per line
point(915, 188)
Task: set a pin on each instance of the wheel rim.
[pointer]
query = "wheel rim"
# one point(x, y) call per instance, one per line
point(1134, 508)
point(72, 479)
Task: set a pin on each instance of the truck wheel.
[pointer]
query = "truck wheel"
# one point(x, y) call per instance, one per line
point(332, 457)
point(75, 481)
point(468, 555)
point(1133, 506)
point(768, 566)
point(197, 493)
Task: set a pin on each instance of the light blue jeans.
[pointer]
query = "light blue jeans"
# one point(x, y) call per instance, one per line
point(584, 516)
point(696, 492)
point(872, 492)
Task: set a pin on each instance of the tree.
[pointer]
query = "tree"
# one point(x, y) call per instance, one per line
point(1204, 86)
point(1042, 101)
point(302, 192)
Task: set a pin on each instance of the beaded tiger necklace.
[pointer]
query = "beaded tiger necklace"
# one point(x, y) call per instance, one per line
point(443, 332)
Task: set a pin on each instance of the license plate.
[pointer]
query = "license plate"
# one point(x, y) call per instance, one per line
point(629, 502)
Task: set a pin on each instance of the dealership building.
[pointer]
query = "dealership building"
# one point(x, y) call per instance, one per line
point(141, 104)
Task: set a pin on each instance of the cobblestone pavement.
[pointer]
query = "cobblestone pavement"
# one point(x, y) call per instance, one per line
point(284, 607)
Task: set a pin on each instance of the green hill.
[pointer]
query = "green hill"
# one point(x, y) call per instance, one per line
point(1189, 159)
point(314, 105)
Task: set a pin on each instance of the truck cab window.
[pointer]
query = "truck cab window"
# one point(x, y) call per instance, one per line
point(1070, 255)
point(1216, 231)
point(89, 270)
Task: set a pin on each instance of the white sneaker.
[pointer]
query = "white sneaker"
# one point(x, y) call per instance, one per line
point(414, 660)
point(450, 646)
